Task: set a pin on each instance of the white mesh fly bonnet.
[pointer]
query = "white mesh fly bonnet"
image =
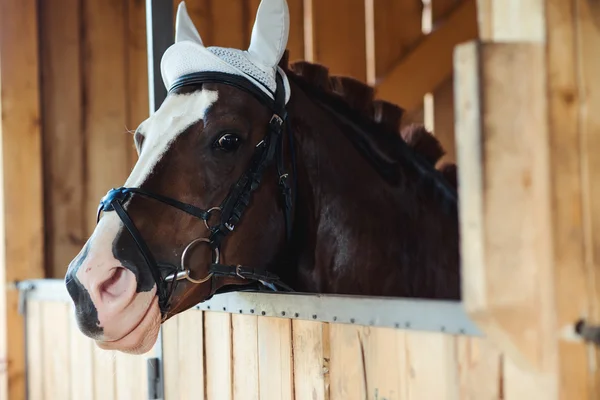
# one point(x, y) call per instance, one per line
point(259, 63)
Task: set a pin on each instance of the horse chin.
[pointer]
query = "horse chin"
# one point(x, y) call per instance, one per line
point(142, 337)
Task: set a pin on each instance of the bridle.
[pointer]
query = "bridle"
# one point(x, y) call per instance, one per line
point(231, 208)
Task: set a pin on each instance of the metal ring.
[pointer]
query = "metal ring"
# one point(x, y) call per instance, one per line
point(185, 251)
point(208, 216)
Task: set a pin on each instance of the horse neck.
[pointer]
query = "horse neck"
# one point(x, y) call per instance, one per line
point(352, 229)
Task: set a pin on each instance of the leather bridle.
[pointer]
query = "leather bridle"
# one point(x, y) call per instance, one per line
point(230, 210)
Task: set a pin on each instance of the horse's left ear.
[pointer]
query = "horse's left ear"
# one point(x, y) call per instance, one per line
point(270, 32)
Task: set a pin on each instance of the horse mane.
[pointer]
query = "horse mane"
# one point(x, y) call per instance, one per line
point(384, 119)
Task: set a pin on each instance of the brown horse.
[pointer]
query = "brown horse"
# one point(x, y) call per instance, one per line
point(255, 174)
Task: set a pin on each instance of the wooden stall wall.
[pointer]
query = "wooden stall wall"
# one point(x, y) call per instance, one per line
point(64, 364)
point(222, 356)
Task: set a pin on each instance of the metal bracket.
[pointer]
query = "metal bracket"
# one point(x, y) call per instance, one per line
point(24, 289)
point(155, 381)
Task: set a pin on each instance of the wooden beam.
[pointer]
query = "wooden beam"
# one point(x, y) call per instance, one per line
point(505, 210)
point(336, 36)
point(392, 29)
point(573, 38)
point(62, 106)
point(21, 204)
point(430, 63)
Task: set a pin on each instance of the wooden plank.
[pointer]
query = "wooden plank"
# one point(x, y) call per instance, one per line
point(441, 8)
point(170, 343)
point(517, 20)
point(392, 28)
point(104, 374)
point(131, 381)
point(55, 347)
point(311, 359)
point(443, 117)
point(191, 355)
point(385, 358)
point(572, 29)
point(499, 241)
point(228, 21)
point(521, 383)
point(106, 137)
point(346, 365)
point(430, 63)
point(35, 353)
point(63, 140)
point(431, 354)
point(338, 43)
point(588, 16)
point(484, 20)
point(275, 359)
point(21, 218)
point(199, 12)
point(82, 361)
point(480, 368)
point(217, 350)
point(137, 71)
point(245, 357)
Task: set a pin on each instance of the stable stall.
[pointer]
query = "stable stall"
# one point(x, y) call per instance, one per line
point(513, 79)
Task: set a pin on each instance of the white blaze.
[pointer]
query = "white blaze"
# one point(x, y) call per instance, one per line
point(175, 115)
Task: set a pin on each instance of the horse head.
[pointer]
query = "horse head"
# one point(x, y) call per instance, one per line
point(209, 202)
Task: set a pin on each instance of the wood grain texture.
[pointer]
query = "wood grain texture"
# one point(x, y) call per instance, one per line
point(21, 215)
point(218, 353)
point(170, 343)
point(82, 348)
point(190, 355)
point(347, 373)
point(393, 28)
point(35, 351)
point(430, 62)
point(573, 29)
point(386, 363)
point(137, 71)
point(441, 8)
point(588, 15)
point(338, 43)
point(510, 155)
point(422, 348)
point(480, 367)
point(106, 137)
point(310, 341)
point(60, 52)
point(245, 357)
point(275, 362)
point(56, 357)
point(131, 381)
point(443, 118)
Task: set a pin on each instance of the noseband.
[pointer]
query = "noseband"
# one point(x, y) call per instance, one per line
point(230, 211)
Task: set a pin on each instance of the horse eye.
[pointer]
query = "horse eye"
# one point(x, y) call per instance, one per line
point(228, 142)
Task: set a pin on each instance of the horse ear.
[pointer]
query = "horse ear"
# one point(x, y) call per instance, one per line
point(270, 32)
point(184, 27)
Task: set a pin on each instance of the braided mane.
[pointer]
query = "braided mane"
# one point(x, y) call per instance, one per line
point(360, 97)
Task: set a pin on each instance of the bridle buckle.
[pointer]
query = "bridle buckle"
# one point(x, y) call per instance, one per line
point(276, 118)
point(238, 271)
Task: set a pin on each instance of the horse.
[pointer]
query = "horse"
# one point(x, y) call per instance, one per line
point(258, 174)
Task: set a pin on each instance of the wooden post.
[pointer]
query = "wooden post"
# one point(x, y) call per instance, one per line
point(21, 203)
point(527, 148)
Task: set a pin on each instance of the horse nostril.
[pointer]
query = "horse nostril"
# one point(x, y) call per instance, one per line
point(117, 284)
